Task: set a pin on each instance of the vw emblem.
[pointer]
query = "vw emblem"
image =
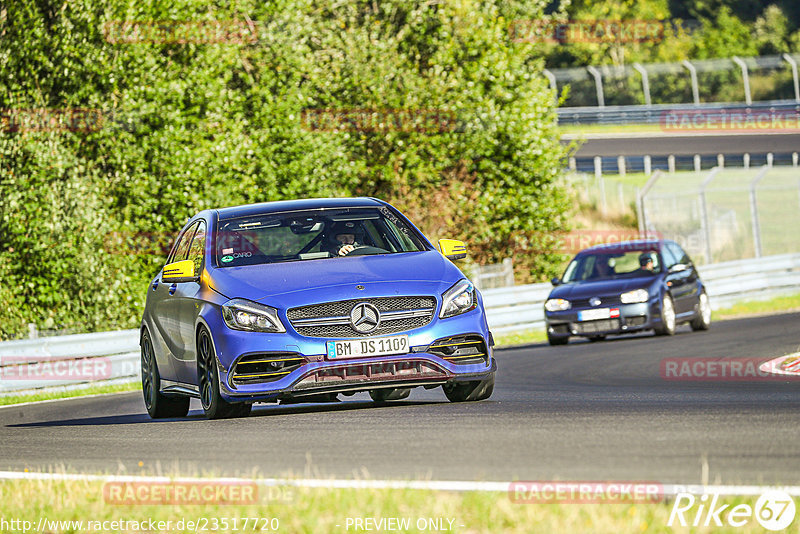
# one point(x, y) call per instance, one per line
point(364, 317)
point(594, 301)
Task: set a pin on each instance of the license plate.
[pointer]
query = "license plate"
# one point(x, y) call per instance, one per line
point(599, 313)
point(358, 348)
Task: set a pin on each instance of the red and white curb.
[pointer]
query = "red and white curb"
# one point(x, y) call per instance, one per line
point(669, 490)
point(778, 367)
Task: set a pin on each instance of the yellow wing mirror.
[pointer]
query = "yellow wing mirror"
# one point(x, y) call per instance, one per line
point(453, 249)
point(179, 271)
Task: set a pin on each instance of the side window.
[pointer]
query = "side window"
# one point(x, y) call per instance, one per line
point(669, 258)
point(182, 248)
point(198, 247)
point(679, 253)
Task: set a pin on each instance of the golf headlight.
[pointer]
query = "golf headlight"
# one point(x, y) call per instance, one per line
point(458, 299)
point(554, 305)
point(637, 295)
point(242, 314)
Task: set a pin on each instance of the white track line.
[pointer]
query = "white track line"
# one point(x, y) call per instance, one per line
point(435, 485)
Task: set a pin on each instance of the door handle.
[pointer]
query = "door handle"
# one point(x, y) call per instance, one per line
point(172, 289)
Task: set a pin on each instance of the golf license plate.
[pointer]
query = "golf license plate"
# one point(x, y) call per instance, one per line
point(359, 348)
point(599, 313)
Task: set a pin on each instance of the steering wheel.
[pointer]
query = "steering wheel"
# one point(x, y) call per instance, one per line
point(366, 251)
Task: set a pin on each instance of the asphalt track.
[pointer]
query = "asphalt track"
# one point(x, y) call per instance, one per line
point(586, 411)
point(703, 144)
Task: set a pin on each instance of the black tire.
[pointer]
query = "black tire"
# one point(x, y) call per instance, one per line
point(703, 319)
point(469, 391)
point(389, 394)
point(595, 339)
point(557, 340)
point(158, 406)
point(668, 324)
point(214, 406)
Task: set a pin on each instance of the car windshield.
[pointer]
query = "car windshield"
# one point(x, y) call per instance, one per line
point(313, 235)
point(610, 265)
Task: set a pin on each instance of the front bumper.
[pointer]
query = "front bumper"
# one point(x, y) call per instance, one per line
point(632, 318)
point(315, 374)
point(362, 374)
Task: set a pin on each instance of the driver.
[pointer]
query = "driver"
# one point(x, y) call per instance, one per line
point(343, 238)
point(646, 262)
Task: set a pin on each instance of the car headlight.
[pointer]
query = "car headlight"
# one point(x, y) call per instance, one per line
point(242, 314)
point(458, 299)
point(637, 295)
point(554, 305)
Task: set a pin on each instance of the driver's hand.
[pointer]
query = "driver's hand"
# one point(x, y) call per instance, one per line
point(346, 249)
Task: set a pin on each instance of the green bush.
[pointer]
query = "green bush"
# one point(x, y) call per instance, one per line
point(85, 214)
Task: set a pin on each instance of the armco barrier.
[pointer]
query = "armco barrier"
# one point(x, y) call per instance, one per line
point(508, 309)
point(61, 360)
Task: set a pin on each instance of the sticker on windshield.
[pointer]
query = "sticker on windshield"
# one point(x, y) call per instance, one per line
point(226, 259)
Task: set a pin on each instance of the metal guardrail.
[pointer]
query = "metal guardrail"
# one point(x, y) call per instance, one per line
point(55, 361)
point(658, 113)
point(68, 360)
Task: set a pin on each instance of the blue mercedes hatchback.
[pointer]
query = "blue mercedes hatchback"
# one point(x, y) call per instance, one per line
point(626, 287)
point(304, 300)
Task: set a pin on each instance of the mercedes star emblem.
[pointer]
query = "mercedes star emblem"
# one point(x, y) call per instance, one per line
point(364, 317)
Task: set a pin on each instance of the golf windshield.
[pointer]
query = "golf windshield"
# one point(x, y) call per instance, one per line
point(609, 265)
point(313, 235)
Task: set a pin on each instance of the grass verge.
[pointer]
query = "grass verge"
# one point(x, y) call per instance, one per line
point(578, 129)
point(788, 303)
point(332, 510)
point(63, 393)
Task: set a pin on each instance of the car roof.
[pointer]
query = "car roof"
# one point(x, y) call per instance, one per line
point(248, 210)
point(621, 246)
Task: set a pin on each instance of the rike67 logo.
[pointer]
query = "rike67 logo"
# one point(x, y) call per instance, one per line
point(774, 511)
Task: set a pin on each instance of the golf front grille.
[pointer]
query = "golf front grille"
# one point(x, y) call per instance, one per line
point(332, 319)
point(591, 327)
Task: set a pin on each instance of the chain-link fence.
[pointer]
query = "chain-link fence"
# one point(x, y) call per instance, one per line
point(725, 213)
point(608, 197)
point(765, 78)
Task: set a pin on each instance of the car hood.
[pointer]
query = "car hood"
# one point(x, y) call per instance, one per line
point(299, 283)
point(588, 289)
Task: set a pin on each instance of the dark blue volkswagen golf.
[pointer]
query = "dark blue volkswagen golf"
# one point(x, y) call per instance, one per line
point(306, 300)
point(626, 287)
